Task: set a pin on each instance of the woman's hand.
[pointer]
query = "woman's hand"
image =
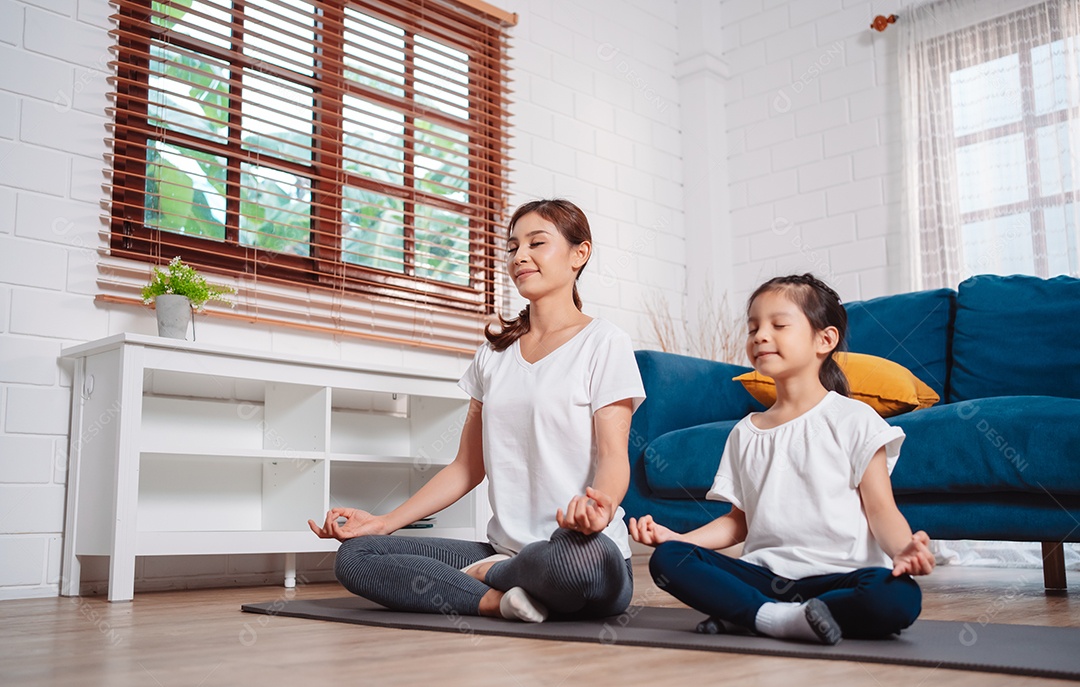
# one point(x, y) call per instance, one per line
point(587, 514)
point(647, 531)
point(357, 524)
point(915, 558)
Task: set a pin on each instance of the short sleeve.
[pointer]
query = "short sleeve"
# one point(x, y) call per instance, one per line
point(472, 382)
point(868, 433)
point(615, 375)
point(726, 484)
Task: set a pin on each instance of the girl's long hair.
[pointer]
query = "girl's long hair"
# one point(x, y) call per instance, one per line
point(574, 227)
point(823, 308)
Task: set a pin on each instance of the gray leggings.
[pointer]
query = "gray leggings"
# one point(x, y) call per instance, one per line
point(574, 575)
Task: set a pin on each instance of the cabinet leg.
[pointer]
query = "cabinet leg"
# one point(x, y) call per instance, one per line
point(290, 570)
point(1054, 567)
point(70, 577)
point(121, 578)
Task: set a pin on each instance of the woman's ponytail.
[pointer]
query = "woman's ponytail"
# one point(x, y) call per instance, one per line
point(511, 330)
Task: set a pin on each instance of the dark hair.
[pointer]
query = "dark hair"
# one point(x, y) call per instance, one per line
point(823, 308)
point(574, 227)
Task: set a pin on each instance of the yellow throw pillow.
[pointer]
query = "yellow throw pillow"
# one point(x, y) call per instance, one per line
point(887, 387)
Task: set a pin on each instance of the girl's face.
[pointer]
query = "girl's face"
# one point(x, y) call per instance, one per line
point(780, 340)
point(540, 260)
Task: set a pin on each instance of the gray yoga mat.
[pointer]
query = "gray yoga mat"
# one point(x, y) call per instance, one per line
point(1017, 649)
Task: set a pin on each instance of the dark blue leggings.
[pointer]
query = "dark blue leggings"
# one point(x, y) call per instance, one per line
point(867, 603)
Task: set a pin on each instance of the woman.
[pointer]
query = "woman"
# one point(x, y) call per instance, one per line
point(548, 425)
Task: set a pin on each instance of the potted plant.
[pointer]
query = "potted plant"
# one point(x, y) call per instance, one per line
point(176, 293)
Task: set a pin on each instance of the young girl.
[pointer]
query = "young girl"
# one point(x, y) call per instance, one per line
point(548, 425)
point(808, 483)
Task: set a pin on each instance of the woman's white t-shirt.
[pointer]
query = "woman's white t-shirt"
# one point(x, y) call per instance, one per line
point(539, 441)
point(798, 485)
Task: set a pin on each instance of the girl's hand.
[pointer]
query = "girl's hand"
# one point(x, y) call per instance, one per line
point(915, 558)
point(587, 514)
point(357, 524)
point(649, 532)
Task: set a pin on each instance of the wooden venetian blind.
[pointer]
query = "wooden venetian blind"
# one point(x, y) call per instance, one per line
point(343, 162)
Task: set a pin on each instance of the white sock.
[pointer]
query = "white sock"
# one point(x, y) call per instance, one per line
point(809, 622)
point(516, 604)
point(494, 558)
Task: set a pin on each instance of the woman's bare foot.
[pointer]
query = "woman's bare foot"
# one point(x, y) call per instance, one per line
point(489, 604)
point(479, 569)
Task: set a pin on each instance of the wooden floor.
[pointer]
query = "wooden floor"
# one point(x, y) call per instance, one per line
point(200, 638)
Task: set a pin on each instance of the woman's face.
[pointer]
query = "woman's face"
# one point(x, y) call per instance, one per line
point(540, 260)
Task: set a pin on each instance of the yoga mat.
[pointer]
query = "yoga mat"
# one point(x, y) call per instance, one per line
point(1017, 649)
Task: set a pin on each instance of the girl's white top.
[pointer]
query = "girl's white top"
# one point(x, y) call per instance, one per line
point(539, 438)
point(798, 485)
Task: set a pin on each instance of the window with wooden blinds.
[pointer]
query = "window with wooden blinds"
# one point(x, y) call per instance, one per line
point(345, 162)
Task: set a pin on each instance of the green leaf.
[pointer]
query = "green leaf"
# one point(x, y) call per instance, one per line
point(172, 12)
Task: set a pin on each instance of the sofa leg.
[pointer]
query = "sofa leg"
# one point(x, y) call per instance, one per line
point(1054, 567)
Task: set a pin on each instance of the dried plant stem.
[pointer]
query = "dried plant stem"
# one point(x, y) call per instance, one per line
point(716, 335)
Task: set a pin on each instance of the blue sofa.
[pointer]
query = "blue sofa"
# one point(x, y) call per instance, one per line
point(998, 458)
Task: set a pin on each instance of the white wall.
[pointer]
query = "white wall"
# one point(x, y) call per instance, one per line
point(813, 115)
point(597, 121)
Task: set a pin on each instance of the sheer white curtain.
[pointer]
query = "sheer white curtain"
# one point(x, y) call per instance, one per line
point(991, 130)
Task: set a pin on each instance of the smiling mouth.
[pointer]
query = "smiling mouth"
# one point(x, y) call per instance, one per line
point(522, 275)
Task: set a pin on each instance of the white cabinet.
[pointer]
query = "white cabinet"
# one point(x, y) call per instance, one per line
point(184, 448)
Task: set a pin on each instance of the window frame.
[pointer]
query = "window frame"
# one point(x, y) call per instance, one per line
point(131, 237)
point(1028, 127)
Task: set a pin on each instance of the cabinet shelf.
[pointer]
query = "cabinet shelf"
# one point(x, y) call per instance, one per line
point(239, 454)
point(418, 462)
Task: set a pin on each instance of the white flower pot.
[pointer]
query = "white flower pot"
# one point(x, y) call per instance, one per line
point(173, 315)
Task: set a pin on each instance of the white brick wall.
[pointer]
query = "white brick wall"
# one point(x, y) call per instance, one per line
point(596, 119)
point(812, 105)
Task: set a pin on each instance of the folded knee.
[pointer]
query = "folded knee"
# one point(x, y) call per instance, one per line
point(578, 561)
point(907, 599)
point(666, 558)
point(593, 549)
point(352, 553)
point(894, 603)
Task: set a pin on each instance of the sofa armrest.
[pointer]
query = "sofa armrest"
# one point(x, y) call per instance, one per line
point(682, 392)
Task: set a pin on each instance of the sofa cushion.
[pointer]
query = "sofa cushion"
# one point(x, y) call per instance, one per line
point(1016, 335)
point(682, 464)
point(912, 329)
point(887, 387)
point(1002, 444)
